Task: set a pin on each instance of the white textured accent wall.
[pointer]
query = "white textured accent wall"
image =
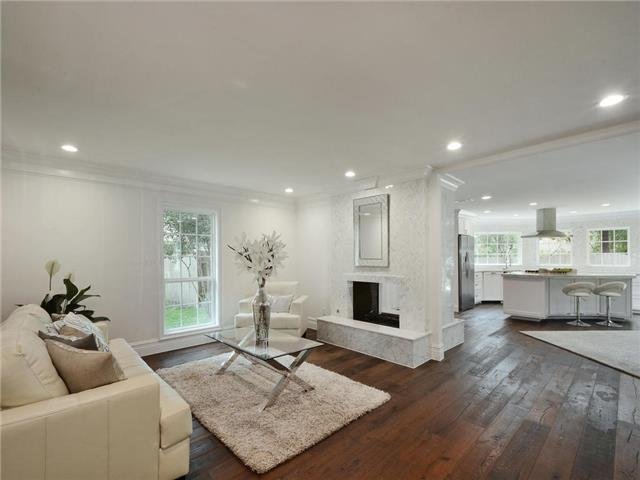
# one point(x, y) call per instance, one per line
point(407, 256)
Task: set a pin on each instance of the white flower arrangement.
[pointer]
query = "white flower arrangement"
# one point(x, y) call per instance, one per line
point(261, 257)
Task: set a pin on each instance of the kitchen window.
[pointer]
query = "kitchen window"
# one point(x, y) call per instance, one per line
point(554, 251)
point(189, 272)
point(498, 248)
point(609, 247)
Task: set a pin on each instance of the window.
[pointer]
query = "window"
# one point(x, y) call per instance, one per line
point(190, 287)
point(554, 251)
point(497, 248)
point(609, 247)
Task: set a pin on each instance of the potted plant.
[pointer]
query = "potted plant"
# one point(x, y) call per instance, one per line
point(59, 304)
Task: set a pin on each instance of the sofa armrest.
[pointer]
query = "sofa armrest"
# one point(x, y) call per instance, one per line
point(297, 308)
point(112, 431)
point(244, 305)
point(103, 325)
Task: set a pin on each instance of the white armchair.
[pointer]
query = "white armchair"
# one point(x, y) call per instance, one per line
point(294, 321)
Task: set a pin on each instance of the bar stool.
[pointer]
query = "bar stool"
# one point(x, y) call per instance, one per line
point(609, 290)
point(579, 290)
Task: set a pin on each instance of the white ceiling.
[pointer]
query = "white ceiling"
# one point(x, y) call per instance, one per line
point(268, 95)
point(578, 178)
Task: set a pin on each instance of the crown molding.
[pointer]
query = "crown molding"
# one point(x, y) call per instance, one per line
point(581, 217)
point(33, 164)
point(545, 146)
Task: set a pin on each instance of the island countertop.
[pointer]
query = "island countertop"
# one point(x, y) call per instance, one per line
point(539, 296)
point(626, 276)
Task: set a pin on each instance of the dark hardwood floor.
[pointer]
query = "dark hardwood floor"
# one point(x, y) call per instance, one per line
point(500, 406)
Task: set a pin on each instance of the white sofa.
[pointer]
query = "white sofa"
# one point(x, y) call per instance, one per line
point(137, 428)
point(294, 321)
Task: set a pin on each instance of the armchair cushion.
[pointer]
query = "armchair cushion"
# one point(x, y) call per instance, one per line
point(281, 303)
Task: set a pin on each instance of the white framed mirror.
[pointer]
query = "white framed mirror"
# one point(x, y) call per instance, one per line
point(371, 231)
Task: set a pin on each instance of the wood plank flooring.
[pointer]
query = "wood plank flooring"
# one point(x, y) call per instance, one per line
point(500, 406)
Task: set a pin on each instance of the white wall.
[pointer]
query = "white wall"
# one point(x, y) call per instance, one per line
point(314, 246)
point(108, 235)
point(578, 225)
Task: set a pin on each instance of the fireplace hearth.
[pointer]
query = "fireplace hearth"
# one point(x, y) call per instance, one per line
point(366, 305)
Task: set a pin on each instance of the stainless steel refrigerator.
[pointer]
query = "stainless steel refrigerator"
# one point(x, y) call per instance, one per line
point(466, 274)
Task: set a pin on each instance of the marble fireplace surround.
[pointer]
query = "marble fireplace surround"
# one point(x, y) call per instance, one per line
point(403, 346)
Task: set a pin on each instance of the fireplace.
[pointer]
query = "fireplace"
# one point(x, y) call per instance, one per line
point(366, 305)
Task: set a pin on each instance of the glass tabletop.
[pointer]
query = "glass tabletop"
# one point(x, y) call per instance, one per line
point(278, 345)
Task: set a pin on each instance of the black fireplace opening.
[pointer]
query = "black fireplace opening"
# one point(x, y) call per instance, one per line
point(366, 305)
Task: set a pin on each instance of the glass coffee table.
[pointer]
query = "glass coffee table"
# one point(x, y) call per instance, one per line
point(243, 343)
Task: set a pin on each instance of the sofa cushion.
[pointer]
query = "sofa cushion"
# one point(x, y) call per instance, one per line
point(278, 320)
point(27, 374)
point(83, 369)
point(29, 316)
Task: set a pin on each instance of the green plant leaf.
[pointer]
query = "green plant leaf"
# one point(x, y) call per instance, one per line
point(72, 290)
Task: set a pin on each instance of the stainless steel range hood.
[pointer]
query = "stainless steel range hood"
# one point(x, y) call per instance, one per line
point(546, 225)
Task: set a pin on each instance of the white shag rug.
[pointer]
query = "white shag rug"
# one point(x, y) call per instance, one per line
point(618, 349)
point(227, 405)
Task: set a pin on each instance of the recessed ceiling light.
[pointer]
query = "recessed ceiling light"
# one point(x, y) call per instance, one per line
point(254, 200)
point(454, 145)
point(69, 148)
point(605, 205)
point(533, 204)
point(516, 215)
point(349, 174)
point(487, 211)
point(573, 212)
point(288, 190)
point(611, 100)
point(486, 197)
point(388, 186)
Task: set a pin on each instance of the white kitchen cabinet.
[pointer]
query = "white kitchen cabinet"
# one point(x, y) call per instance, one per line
point(492, 286)
point(559, 303)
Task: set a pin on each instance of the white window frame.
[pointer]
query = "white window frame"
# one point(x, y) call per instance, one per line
point(600, 229)
point(518, 260)
point(540, 263)
point(215, 270)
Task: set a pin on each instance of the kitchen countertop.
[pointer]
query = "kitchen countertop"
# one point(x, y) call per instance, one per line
point(570, 275)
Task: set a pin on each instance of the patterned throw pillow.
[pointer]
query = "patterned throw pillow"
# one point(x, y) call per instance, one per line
point(73, 325)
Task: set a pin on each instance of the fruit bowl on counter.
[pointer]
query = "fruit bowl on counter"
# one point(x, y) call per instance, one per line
point(556, 270)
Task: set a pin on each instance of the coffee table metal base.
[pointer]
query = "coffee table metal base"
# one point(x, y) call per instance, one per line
point(287, 373)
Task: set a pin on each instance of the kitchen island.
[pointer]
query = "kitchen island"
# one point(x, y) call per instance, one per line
point(538, 296)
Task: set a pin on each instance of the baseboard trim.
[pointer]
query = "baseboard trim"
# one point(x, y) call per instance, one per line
point(153, 346)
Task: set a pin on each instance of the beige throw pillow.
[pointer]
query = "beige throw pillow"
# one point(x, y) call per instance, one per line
point(83, 369)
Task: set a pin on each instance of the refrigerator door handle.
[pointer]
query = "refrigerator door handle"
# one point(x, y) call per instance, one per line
point(466, 265)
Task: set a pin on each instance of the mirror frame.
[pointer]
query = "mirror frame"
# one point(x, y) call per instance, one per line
point(383, 201)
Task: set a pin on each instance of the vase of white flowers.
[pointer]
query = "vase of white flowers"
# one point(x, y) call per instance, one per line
point(261, 258)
